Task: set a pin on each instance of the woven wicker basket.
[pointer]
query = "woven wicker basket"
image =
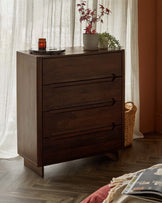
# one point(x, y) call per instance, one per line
point(130, 111)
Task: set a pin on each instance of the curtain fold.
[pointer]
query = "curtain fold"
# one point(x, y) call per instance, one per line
point(132, 84)
point(22, 22)
point(123, 24)
point(7, 81)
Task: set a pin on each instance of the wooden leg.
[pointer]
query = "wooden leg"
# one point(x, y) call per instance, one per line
point(36, 169)
point(114, 155)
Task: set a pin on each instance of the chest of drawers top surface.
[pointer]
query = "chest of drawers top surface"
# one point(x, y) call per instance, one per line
point(74, 51)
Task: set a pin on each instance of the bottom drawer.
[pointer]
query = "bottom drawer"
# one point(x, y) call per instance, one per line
point(83, 145)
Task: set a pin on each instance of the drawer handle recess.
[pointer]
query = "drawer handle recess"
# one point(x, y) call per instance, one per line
point(105, 103)
point(113, 77)
point(113, 125)
point(113, 101)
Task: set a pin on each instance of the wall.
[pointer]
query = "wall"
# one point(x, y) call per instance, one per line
point(159, 69)
point(147, 63)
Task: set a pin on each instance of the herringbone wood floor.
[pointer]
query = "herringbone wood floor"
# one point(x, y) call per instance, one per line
point(72, 181)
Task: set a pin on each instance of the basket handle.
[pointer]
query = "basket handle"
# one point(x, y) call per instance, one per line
point(129, 102)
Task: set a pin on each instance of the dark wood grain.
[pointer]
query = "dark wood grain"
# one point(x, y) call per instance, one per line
point(29, 108)
point(85, 144)
point(39, 113)
point(81, 93)
point(82, 119)
point(35, 168)
point(74, 68)
point(123, 95)
point(73, 101)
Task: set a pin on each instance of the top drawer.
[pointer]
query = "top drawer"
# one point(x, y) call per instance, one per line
point(74, 68)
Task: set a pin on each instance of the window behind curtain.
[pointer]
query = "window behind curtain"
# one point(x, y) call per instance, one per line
point(22, 22)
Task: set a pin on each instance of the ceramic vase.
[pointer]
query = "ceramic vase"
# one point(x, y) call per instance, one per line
point(90, 41)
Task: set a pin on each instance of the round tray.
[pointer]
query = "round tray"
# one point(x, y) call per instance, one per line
point(46, 52)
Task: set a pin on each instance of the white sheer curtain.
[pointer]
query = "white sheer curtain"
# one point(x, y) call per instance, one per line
point(123, 24)
point(22, 22)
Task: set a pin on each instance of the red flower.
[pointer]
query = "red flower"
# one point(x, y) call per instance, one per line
point(90, 26)
point(94, 20)
point(88, 29)
point(102, 7)
point(92, 13)
point(81, 18)
point(81, 9)
point(88, 11)
point(107, 10)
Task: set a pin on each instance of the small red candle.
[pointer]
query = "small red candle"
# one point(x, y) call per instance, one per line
point(42, 44)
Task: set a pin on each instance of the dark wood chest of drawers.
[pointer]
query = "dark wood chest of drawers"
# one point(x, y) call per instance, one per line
point(69, 106)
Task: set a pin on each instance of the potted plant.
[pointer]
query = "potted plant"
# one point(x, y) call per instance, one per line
point(106, 40)
point(90, 37)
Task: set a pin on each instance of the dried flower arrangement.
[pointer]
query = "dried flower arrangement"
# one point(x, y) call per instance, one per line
point(90, 16)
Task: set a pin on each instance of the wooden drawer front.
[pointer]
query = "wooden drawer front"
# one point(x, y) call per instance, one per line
point(58, 150)
point(55, 97)
point(59, 122)
point(56, 70)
